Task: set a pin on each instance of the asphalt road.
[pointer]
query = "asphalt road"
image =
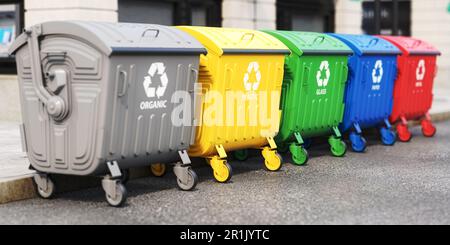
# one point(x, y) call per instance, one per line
point(408, 183)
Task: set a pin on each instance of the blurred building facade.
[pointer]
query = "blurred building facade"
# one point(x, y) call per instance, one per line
point(427, 19)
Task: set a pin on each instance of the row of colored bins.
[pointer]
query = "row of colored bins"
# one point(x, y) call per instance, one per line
point(101, 94)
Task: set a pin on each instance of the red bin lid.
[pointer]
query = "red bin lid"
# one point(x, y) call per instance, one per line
point(412, 46)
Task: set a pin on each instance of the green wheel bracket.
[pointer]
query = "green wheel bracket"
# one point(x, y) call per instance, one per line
point(299, 154)
point(337, 146)
point(241, 155)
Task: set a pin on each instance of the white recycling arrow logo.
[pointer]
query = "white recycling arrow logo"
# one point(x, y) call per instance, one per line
point(377, 72)
point(324, 67)
point(420, 70)
point(252, 85)
point(151, 87)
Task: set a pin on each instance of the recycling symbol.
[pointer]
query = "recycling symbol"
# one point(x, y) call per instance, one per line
point(377, 72)
point(252, 77)
point(324, 67)
point(420, 70)
point(151, 86)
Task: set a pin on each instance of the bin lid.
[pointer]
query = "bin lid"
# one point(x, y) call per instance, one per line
point(234, 40)
point(366, 44)
point(119, 37)
point(311, 42)
point(410, 45)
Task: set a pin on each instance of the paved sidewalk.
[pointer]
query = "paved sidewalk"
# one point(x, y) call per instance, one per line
point(441, 101)
point(13, 162)
point(407, 183)
point(15, 181)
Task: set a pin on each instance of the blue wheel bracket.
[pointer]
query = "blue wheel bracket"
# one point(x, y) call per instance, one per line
point(388, 137)
point(358, 142)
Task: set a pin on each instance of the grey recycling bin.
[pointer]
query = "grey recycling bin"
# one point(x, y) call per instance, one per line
point(100, 98)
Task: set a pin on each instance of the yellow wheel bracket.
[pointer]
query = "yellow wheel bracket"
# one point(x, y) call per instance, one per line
point(272, 159)
point(272, 144)
point(221, 151)
point(158, 169)
point(221, 169)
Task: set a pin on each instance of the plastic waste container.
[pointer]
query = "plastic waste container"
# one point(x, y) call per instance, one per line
point(98, 98)
point(249, 65)
point(312, 101)
point(413, 89)
point(370, 84)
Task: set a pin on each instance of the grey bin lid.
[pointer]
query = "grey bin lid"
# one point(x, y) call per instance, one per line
point(112, 38)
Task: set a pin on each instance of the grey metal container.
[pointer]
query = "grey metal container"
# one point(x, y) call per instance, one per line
point(97, 99)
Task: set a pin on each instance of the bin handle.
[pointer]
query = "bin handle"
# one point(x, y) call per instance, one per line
point(345, 73)
point(365, 73)
point(55, 105)
point(155, 31)
point(248, 34)
point(306, 76)
point(197, 99)
point(416, 43)
point(372, 42)
point(322, 38)
point(124, 83)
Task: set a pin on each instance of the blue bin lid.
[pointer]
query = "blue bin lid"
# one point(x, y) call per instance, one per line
point(366, 44)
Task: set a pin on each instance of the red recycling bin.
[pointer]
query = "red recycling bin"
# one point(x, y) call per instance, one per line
point(413, 95)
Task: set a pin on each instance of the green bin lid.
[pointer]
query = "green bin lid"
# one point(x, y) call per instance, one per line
point(311, 42)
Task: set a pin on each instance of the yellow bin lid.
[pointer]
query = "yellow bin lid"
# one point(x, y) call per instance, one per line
point(234, 40)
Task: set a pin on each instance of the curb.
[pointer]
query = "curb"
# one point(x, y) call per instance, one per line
point(23, 188)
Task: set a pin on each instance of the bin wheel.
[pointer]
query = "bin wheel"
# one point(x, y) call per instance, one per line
point(158, 169)
point(120, 198)
point(125, 176)
point(388, 136)
point(337, 146)
point(192, 181)
point(282, 147)
point(403, 133)
point(272, 161)
point(299, 154)
point(428, 129)
point(241, 155)
point(221, 169)
point(49, 192)
point(358, 142)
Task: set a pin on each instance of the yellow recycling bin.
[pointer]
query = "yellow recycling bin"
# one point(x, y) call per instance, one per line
point(238, 96)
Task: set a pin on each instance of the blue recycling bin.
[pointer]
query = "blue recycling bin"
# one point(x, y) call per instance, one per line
point(369, 89)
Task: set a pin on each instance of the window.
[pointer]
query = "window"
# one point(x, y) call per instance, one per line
point(199, 16)
point(11, 25)
point(307, 22)
point(387, 17)
point(171, 12)
point(305, 15)
point(138, 11)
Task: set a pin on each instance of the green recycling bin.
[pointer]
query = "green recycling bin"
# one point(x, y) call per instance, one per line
point(312, 96)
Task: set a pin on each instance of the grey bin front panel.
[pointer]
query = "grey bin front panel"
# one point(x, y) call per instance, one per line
point(104, 93)
point(148, 132)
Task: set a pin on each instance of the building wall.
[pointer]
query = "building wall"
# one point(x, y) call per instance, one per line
point(348, 16)
point(252, 14)
point(431, 22)
point(37, 11)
